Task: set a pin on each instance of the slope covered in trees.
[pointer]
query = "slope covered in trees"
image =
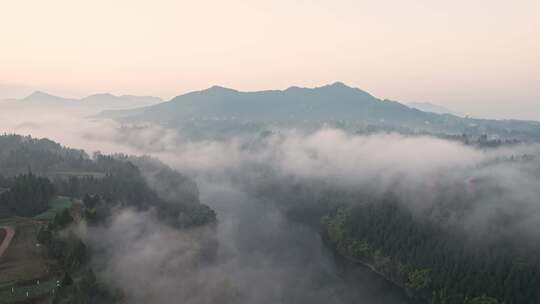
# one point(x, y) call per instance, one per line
point(115, 179)
point(460, 247)
point(19, 154)
point(28, 195)
point(433, 263)
point(124, 185)
point(30, 179)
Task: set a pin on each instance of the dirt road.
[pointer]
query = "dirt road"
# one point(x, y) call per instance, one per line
point(10, 232)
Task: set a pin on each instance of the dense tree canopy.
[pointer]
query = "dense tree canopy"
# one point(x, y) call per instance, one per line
point(438, 264)
point(117, 180)
point(28, 195)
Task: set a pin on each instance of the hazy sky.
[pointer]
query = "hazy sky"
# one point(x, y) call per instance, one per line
point(480, 56)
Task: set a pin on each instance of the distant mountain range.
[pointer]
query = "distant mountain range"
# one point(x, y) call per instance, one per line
point(220, 111)
point(93, 103)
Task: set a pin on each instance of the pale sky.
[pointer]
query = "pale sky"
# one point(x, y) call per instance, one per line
point(475, 56)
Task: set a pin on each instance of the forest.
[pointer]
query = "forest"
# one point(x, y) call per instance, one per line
point(429, 254)
point(436, 264)
point(27, 194)
point(35, 171)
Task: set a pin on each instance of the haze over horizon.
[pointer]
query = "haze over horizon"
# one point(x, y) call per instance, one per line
point(269, 151)
point(479, 58)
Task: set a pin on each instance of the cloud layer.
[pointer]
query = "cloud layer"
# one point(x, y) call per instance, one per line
point(259, 254)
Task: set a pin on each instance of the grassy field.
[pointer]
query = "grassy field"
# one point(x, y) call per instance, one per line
point(25, 262)
point(34, 290)
point(56, 206)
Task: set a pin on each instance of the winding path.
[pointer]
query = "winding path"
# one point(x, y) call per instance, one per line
point(10, 232)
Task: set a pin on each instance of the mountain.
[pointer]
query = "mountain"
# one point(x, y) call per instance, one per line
point(220, 111)
point(334, 102)
point(39, 96)
point(90, 104)
point(433, 108)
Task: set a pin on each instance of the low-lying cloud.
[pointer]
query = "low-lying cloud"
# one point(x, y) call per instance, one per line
point(261, 255)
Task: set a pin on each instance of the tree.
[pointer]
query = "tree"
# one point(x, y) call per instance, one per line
point(62, 219)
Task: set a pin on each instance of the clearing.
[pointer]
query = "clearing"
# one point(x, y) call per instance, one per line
point(27, 274)
point(57, 205)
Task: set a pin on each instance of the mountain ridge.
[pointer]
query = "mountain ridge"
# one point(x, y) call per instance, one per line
point(39, 95)
point(95, 102)
point(224, 111)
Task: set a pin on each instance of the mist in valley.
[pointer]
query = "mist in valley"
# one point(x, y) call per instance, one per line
point(269, 152)
point(268, 191)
